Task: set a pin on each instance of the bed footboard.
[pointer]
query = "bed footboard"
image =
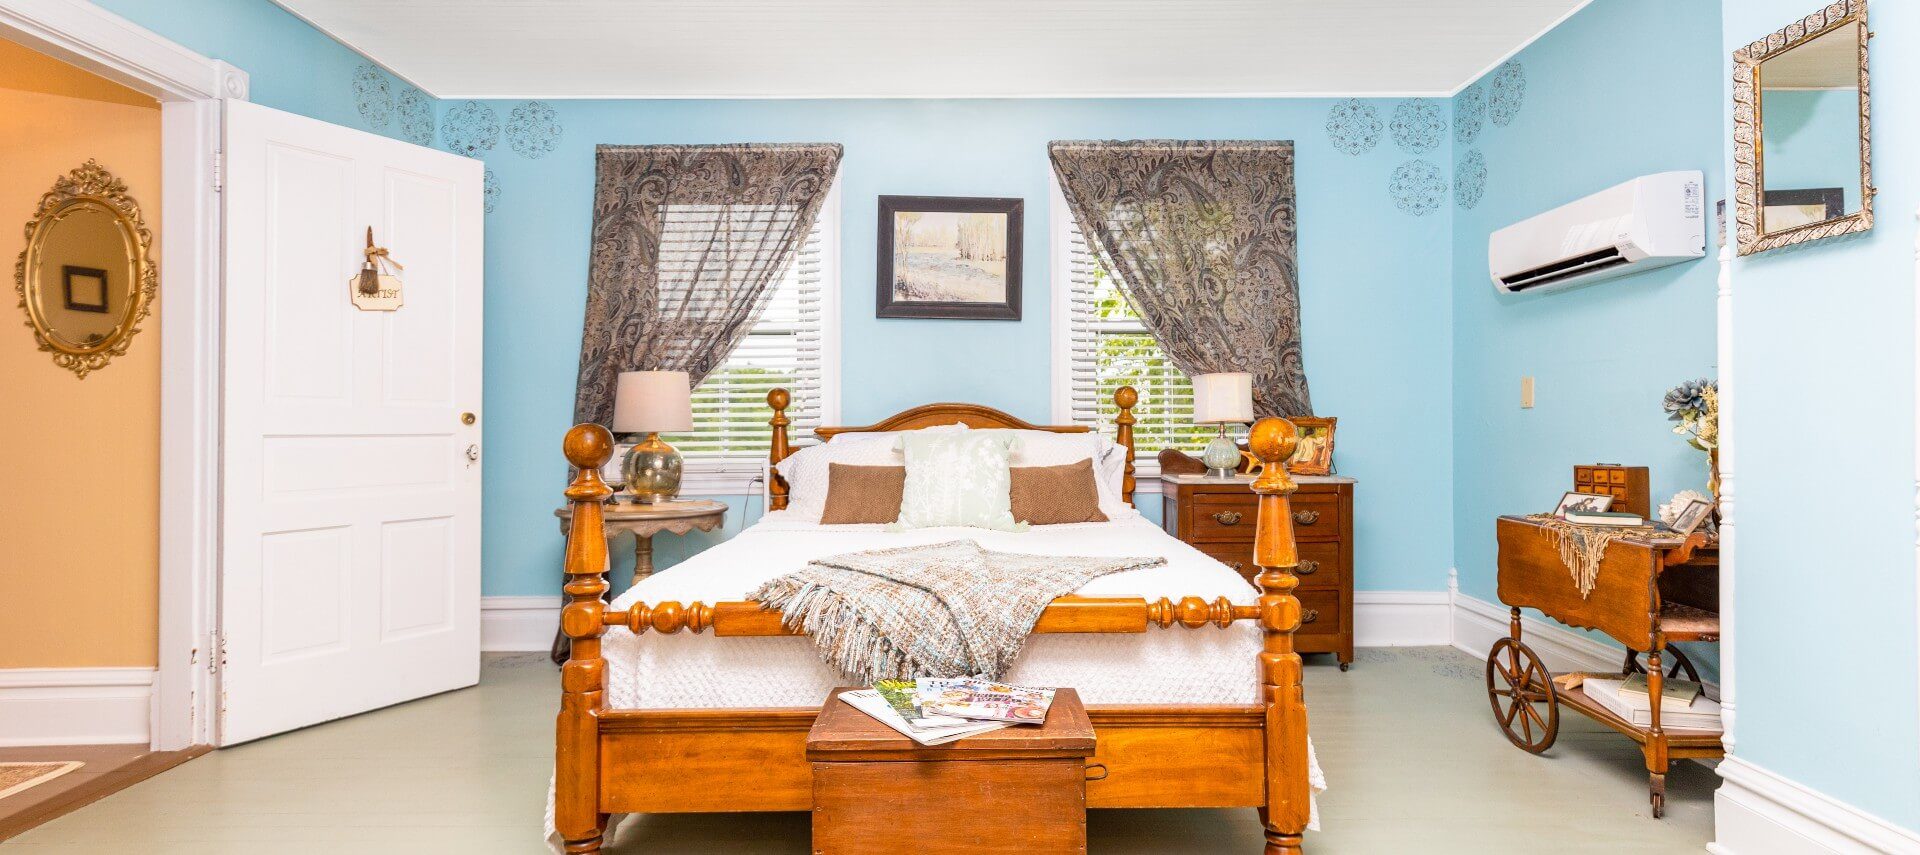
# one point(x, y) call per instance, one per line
point(666, 761)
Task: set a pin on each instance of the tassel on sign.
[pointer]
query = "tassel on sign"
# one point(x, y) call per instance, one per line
point(377, 258)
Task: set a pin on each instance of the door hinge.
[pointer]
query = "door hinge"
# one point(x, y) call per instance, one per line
point(219, 170)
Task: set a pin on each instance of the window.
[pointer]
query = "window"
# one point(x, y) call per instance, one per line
point(1100, 345)
point(793, 345)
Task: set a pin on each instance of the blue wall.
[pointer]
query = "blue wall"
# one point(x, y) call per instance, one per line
point(1604, 355)
point(1828, 329)
point(290, 65)
point(1373, 288)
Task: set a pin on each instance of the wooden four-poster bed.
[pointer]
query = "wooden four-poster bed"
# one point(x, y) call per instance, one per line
point(679, 760)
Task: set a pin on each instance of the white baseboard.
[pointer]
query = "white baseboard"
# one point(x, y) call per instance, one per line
point(1757, 812)
point(1477, 623)
point(513, 624)
point(75, 706)
point(1380, 619)
point(1401, 619)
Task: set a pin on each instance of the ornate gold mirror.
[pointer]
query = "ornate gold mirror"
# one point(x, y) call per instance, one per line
point(1803, 165)
point(85, 279)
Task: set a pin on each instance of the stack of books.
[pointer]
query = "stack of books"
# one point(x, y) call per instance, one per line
point(933, 711)
point(1682, 703)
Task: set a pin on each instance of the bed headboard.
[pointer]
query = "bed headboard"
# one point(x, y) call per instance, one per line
point(933, 415)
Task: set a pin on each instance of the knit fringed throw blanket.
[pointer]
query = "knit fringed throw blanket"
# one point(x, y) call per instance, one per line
point(1583, 546)
point(945, 609)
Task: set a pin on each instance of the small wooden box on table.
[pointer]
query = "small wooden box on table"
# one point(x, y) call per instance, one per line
point(1020, 789)
point(1216, 516)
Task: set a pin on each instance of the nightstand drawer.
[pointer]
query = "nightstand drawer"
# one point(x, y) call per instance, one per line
point(1320, 565)
point(1316, 516)
point(1219, 518)
point(1319, 612)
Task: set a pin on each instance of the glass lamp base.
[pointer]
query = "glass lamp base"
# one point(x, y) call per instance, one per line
point(653, 471)
point(1222, 457)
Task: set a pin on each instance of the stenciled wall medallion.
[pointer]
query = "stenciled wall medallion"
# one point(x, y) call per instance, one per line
point(373, 95)
point(533, 129)
point(471, 129)
point(1469, 114)
point(1506, 92)
point(490, 190)
point(1470, 179)
point(1353, 126)
point(1418, 126)
point(415, 110)
point(1418, 187)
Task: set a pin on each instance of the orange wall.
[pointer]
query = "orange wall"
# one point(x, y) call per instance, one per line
point(80, 487)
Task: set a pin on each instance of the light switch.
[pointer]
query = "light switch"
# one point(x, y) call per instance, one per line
point(1526, 393)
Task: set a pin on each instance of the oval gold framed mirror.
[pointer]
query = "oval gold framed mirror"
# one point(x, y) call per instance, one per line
point(85, 279)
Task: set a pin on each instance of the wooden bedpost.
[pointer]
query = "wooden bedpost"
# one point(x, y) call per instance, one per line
point(778, 399)
point(1125, 397)
point(583, 680)
point(1289, 796)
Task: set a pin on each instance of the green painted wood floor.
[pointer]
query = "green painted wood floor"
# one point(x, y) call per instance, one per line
point(1406, 738)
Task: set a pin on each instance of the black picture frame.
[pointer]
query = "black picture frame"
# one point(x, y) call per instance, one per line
point(885, 306)
point(70, 272)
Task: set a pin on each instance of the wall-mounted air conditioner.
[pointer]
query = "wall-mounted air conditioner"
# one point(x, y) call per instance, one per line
point(1651, 221)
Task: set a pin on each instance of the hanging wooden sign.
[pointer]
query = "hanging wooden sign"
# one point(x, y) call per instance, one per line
point(372, 289)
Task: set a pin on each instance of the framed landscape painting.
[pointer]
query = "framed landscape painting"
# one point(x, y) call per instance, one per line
point(948, 257)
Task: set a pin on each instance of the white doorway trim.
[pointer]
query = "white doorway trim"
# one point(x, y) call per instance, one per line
point(190, 88)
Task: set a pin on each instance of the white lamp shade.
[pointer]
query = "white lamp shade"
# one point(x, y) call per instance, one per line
point(1223, 398)
point(653, 402)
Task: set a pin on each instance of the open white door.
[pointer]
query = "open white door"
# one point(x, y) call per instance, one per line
point(350, 560)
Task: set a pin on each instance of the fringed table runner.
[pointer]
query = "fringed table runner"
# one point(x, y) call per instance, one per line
point(1582, 546)
point(940, 610)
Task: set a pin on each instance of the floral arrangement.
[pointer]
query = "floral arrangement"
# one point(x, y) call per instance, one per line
point(1695, 405)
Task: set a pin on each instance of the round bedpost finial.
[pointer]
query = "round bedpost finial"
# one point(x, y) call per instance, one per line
point(1272, 441)
point(1126, 397)
point(779, 399)
point(588, 446)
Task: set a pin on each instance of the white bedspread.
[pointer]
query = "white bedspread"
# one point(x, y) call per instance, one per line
point(1209, 665)
point(1161, 666)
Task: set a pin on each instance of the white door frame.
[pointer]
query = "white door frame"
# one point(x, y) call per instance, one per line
point(190, 88)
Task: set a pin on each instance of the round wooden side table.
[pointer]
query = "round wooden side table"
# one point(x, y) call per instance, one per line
point(644, 521)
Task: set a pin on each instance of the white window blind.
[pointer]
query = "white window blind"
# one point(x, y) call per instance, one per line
point(791, 346)
point(1108, 347)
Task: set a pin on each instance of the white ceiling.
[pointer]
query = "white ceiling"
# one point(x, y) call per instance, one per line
point(924, 48)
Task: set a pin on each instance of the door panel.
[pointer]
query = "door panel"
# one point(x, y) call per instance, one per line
point(351, 512)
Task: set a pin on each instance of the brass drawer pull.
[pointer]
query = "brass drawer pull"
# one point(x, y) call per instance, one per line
point(1306, 517)
point(1307, 567)
point(1310, 615)
point(1228, 517)
point(1100, 766)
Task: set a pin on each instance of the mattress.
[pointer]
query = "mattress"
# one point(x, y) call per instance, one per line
point(1210, 665)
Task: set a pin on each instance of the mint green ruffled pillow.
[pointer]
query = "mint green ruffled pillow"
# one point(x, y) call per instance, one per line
point(958, 479)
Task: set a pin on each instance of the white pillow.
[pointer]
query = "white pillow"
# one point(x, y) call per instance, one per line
point(958, 480)
point(806, 469)
point(1048, 448)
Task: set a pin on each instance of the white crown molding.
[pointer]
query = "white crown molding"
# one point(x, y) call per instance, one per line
point(118, 49)
point(946, 96)
point(75, 706)
point(1759, 812)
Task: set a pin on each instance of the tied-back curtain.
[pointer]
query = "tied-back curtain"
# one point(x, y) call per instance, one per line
point(1203, 239)
point(687, 242)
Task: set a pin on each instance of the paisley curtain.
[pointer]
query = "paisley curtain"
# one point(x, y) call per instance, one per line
point(687, 242)
point(1202, 238)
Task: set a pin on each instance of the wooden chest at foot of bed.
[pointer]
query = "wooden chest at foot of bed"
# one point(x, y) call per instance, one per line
point(1216, 516)
point(1020, 789)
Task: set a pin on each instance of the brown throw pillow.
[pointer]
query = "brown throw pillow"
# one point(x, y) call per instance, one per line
point(863, 494)
point(1051, 495)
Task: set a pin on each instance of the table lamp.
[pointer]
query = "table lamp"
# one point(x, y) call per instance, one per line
point(653, 402)
point(1222, 399)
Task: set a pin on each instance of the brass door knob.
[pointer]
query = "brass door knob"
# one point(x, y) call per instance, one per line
point(1227, 517)
point(1306, 517)
point(468, 418)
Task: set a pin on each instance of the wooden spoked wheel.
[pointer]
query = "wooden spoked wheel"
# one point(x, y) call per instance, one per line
point(1678, 664)
point(1521, 691)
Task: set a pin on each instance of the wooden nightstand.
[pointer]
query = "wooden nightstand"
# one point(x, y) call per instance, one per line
point(1020, 790)
point(645, 521)
point(1216, 516)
